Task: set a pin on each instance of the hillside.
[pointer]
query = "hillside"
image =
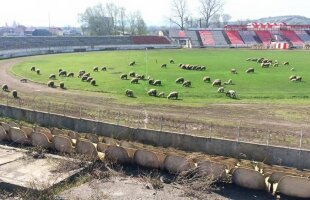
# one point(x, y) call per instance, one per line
point(291, 19)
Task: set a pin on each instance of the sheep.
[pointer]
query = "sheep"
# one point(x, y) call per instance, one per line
point(203, 68)
point(81, 73)
point(265, 65)
point(286, 63)
point(207, 79)
point(171, 61)
point(38, 71)
point(195, 67)
point(141, 77)
point(276, 65)
point(221, 90)
point(84, 78)
point(250, 70)
point(298, 78)
point(184, 67)
point(24, 80)
point(63, 73)
point(198, 68)
point(129, 93)
point(260, 60)
point(151, 82)
point(60, 70)
point(124, 76)
point(231, 94)
point(134, 81)
point(229, 82)
point(104, 69)
point(132, 63)
point(52, 76)
point(33, 69)
point(149, 78)
point(14, 93)
point(62, 85)
point(71, 74)
point(187, 84)
point(157, 83)
point(233, 71)
point(162, 94)
point(132, 74)
point(172, 95)
point(180, 65)
point(217, 82)
point(93, 82)
point(179, 80)
point(88, 74)
point(51, 84)
point(89, 79)
point(152, 92)
point(5, 88)
point(249, 59)
point(164, 66)
point(292, 77)
point(95, 69)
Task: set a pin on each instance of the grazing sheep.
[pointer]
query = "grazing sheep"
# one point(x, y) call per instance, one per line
point(151, 82)
point(52, 76)
point(162, 94)
point(124, 76)
point(229, 82)
point(260, 60)
point(62, 85)
point(141, 77)
point(203, 68)
point(180, 65)
point(33, 69)
point(299, 78)
point(51, 84)
point(195, 67)
point(60, 70)
point(265, 65)
point(89, 79)
point(286, 63)
point(104, 69)
point(250, 70)
point(129, 93)
point(14, 93)
point(81, 73)
point(184, 67)
point(292, 77)
point(134, 81)
point(231, 94)
point(172, 95)
point(132, 63)
point(217, 82)
point(276, 65)
point(221, 90)
point(152, 92)
point(63, 73)
point(24, 80)
point(84, 78)
point(179, 80)
point(233, 71)
point(38, 71)
point(294, 80)
point(157, 83)
point(95, 69)
point(93, 82)
point(132, 74)
point(71, 74)
point(164, 66)
point(149, 78)
point(187, 84)
point(207, 79)
point(5, 88)
point(171, 61)
point(199, 68)
point(249, 59)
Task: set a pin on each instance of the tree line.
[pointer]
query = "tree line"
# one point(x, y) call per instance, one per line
point(110, 19)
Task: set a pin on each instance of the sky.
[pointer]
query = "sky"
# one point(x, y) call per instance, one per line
point(155, 12)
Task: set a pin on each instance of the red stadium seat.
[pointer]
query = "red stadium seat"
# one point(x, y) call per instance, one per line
point(264, 36)
point(234, 37)
point(207, 38)
point(150, 40)
point(291, 35)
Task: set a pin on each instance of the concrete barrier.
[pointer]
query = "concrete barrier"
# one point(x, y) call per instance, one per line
point(262, 153)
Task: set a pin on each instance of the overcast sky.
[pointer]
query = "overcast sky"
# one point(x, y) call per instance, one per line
point(155, 12)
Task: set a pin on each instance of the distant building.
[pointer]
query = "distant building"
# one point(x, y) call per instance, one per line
point(56, 31)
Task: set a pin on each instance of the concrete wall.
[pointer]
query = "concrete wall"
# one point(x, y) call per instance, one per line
point(262, 153)
point(54, 50)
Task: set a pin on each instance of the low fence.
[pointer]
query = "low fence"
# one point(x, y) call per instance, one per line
point(263, 153)
point(242, 131)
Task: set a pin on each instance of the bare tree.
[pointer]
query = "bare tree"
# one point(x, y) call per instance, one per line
point(137, 25)
point(113, 12)
point(209, 8)
point(122, 19)
point(179, 13)
point(226, 18)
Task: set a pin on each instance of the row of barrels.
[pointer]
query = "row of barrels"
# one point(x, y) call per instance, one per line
point(252, 175)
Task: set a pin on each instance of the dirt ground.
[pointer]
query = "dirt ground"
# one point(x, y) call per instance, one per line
point(287, 119)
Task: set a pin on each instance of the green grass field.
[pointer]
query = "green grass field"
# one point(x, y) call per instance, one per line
point(265, 85)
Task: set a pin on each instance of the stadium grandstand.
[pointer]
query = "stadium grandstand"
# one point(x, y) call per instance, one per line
point(270, 35)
